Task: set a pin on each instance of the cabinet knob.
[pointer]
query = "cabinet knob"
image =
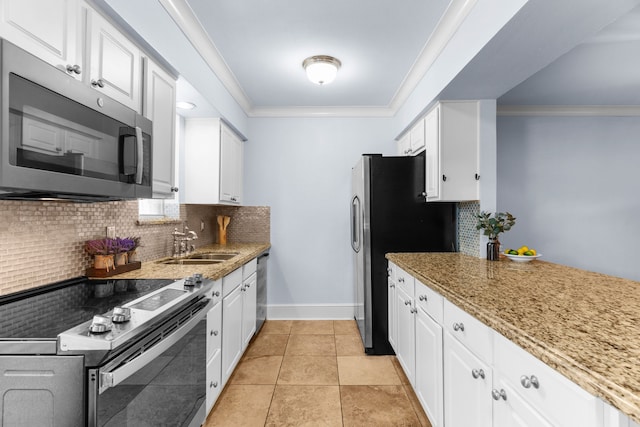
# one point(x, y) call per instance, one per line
point(98, 83)
point(477, 373)
point(444, 177)
point(407, 302)
point(497, 395)
point(477, 177)
point(401, 280)
point(213, 384)
point(527, 382)
point(413, 310)
point(422, 297)
point(216, 294)
point(392, 285)
point(458, 327)
point(74, 69)
point(174, 189)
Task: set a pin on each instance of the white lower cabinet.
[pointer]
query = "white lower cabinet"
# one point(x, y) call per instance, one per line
point(429, 376)
point(231, 327)
point(467, 386)
point(249, 302)
point(214, 350)
point(466, 374)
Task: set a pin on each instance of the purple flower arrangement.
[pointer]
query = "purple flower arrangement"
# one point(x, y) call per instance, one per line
point(107, 245)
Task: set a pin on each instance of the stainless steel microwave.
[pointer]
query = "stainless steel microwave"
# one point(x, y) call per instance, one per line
point(63, 139)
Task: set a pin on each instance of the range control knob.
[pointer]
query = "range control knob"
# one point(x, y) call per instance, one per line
point(121, 315)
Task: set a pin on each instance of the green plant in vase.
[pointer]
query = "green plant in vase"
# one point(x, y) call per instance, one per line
point(492, 225)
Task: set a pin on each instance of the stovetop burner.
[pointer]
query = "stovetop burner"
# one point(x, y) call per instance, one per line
point(44, 312)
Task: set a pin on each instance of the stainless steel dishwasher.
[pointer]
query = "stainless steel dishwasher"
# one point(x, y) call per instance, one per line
point(261, 279)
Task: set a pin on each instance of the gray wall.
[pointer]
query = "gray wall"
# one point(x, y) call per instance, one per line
point(302, 169)
point(572, 183)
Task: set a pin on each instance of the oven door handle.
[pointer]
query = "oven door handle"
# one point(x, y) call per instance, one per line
point(115, 377)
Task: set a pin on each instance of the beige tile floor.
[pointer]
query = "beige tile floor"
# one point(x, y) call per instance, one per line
point(315, 373)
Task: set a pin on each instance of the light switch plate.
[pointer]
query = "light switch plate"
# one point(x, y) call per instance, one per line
point(201, 225)
point(111, 232)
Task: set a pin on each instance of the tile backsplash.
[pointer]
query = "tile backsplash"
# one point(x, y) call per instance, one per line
point(468, 236)
point(43, 242)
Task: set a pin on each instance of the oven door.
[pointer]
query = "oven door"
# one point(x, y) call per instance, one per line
point(159, 380)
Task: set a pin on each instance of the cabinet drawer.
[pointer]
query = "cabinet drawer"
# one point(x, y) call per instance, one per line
point(561, 401)
point(214, 383)
point(249, 268)
point(405, 281)
point(214, 330)
point(476, 336)
point(231, 281)
point(430, 301)
point(216, 291)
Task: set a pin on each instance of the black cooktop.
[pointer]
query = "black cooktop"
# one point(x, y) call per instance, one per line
point(44, 312)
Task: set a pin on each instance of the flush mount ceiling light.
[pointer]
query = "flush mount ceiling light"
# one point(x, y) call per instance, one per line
point(321, 69)
point(183, 105)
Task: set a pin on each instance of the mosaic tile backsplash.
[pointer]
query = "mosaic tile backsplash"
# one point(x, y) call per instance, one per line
point(468, 236)
point(43, 242)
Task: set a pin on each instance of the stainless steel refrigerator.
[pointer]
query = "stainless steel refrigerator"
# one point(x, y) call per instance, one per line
point(389, 214)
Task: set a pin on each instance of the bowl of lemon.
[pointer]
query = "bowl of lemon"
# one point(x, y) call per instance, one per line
point(522, 254)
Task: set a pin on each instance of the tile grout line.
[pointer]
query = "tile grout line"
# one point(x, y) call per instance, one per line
point(273, 393)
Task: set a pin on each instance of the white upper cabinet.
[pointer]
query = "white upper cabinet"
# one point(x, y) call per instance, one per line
point(114, 61)
point(452, 150)
point(159, 107)
point(50, 30)
point(412, 142)
point(213, 163)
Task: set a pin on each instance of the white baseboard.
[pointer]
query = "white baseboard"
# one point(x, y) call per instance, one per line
point(310, 311)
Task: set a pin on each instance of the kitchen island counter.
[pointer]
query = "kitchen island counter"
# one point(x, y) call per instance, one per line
point(156, 270)
point(583, 324)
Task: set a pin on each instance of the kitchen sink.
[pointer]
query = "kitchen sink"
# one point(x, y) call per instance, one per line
point(190, 261)
point(220, 256)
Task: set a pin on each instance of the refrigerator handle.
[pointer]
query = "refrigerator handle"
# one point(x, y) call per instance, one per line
point(355, 223)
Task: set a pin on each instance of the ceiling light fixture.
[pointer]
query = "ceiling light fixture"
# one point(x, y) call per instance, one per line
point(184, 105)
point(321, 69)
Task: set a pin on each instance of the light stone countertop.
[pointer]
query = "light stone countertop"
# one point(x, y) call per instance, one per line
point(154, 270)
point(585, 325)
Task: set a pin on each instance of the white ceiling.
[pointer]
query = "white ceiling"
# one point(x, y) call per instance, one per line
point(256, 49)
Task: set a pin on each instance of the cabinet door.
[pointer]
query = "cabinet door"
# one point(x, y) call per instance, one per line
point(392, 313)
point(405, 340)
point(159, 107)
point(231, 332)
point(432, 154)
point(214, 383)
point(230, 166)
point(467, 386)
point(47, 29)
point(114, 63)
point(429, 378)
point(511, 410)
point(417, 137)
point(249, 300)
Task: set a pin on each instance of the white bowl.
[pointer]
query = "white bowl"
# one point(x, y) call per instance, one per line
point(522, 258)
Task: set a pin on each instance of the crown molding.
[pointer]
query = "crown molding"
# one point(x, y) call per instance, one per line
point(318, 112)
point(184, 17)
point(570, 110)
point(444, 31)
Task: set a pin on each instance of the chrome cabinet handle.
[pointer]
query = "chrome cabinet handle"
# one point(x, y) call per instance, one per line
point(392, 285)
point(216, 294)
point(98, 83)
point(527, 382)
point(458, 327)
point(444, 177)
point(400, 279)
point(477, 177)
point(74, 69)
point(497, 395)
point(413, 310)
point(407, 302)
point(174, 189)
point(422, 297)
point(388, 270)
point(214, 333)
point(213, 384)
point(477, 373)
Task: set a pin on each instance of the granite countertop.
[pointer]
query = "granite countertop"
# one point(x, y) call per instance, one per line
point(585, 325)
point(154, 270)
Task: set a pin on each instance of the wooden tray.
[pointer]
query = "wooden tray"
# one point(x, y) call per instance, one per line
point(100, 272)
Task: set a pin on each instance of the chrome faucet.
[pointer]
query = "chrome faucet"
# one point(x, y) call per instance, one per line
point(181, 242)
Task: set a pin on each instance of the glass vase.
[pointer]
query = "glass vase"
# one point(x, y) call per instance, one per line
point(493, 250)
